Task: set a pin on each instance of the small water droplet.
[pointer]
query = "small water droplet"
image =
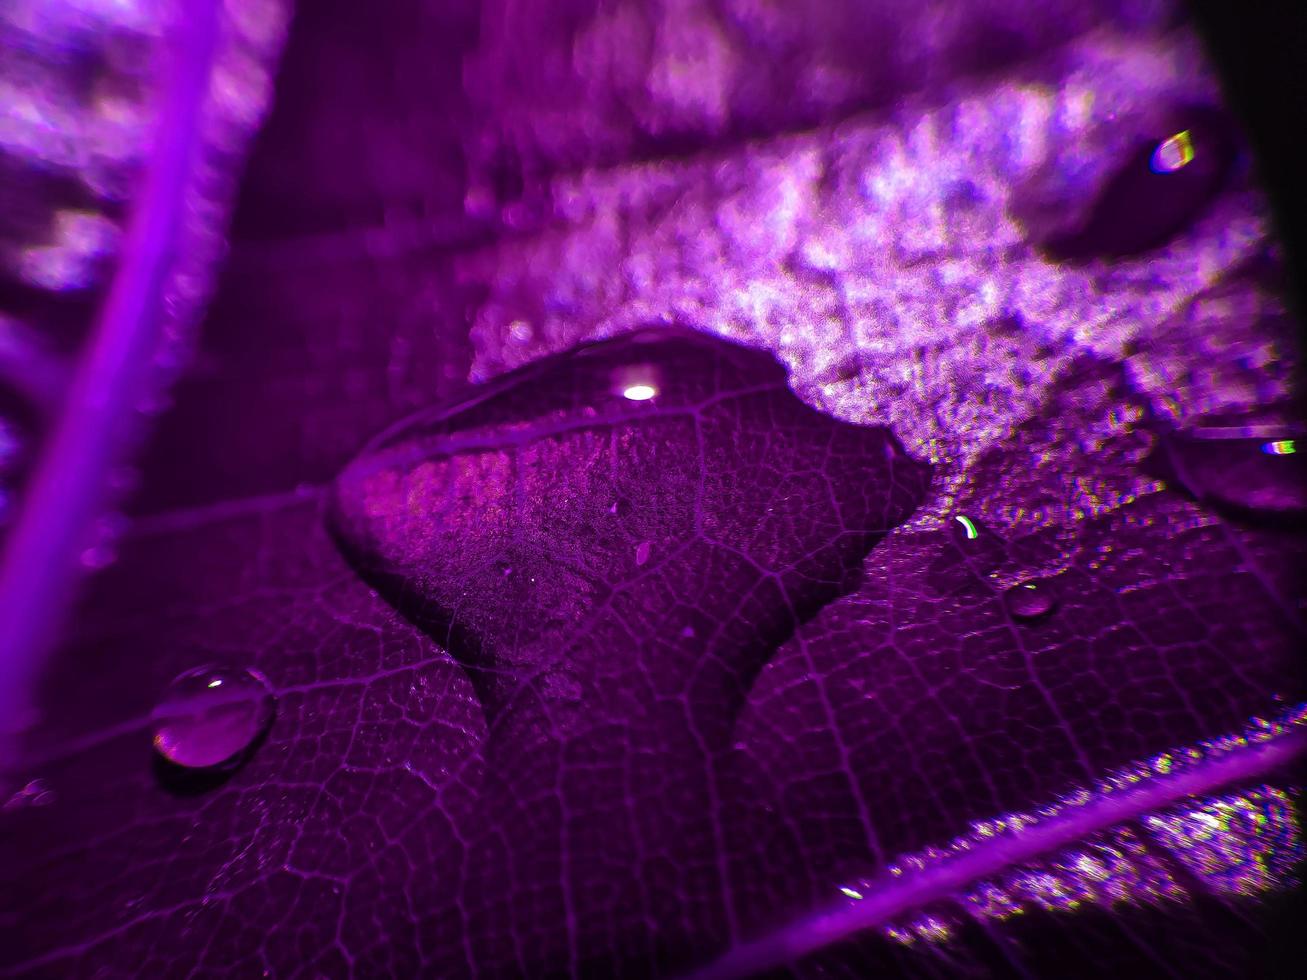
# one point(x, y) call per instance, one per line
point(211, 715)
point(642, 551)
point(1030, 600)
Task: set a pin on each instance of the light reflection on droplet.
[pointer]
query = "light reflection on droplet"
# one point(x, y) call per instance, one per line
point(211, 715)
point(1029, 600)
point(968, 527)
point(852, 893)
point(639, 393)
point(1173, 153)
point(1254, 471)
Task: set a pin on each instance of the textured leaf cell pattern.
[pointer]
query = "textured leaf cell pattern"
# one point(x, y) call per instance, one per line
point(679, 490)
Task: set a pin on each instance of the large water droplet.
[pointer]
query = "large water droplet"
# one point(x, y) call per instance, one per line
point(671, 512)
point(1030, 600)
point(1159, 190)
point(211, 715)
point(1247, 470)
point(656, 458)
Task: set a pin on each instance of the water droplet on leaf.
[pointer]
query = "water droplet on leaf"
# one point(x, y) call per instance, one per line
point(523, 471)
point(1162, 188)
point(1030, 600)
point(211, 715)
point(1244, 470)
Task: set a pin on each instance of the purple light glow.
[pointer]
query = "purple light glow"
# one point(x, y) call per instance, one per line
point(874, 547)
point(122, 107)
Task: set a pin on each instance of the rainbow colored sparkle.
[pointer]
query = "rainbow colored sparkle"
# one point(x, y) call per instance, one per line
point(1173, 153)
point(1242, 844)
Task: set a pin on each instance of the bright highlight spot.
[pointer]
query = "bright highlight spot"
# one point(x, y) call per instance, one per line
point(1281, 447)
point(640, 393)
point(1172, 154)
point(972, 533)
point(850, 892)
point(216, 682)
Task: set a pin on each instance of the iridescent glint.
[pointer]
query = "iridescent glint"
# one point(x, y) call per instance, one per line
point(1243, 843)
point(1172, 154)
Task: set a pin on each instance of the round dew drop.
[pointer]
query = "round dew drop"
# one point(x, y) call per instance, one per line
point(1030, 600)
point(211, 715)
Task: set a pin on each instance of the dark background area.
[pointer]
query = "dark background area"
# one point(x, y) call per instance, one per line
point(1258, 49)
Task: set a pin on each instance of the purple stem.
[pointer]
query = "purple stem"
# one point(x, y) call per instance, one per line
point(892, 896)
point(39, 567)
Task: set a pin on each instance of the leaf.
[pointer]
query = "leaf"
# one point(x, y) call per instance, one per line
point(613, 542)
point(1031, 779)
point(1009, 743)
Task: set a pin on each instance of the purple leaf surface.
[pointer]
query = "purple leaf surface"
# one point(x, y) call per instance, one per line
point(708, 647)
point(613, 543)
